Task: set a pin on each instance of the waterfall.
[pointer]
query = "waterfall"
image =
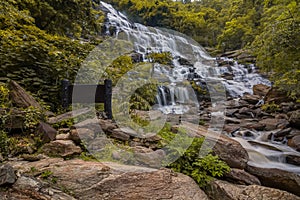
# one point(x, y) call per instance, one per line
point(187, 54)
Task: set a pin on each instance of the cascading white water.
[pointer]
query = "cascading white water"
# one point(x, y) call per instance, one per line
point(149, 39)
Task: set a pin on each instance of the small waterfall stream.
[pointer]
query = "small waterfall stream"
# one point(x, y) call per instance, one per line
point(191, 62)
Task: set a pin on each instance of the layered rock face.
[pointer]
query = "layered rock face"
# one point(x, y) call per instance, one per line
point(78, 179)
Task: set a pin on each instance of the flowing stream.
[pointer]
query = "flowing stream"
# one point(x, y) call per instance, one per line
point(191, 62)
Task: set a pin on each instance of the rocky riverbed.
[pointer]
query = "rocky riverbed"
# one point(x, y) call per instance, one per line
point(259, 142)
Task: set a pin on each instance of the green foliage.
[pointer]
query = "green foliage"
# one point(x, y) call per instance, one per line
point(164, 58)
point(68, 17)
point(270, 107)
point(198, 89)
point(46, 174)
point(64, 124)
point(144, 97)
point(277, 46)
point(38, 58)
point(87, 157)
point(4, 143)
point(32, 117)
point(118, 68)
point(201, 169)
point(4, 96)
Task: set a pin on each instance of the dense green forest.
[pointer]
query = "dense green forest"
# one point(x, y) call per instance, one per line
point(45, 41)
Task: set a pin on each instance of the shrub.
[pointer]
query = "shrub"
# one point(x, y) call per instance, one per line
point(201, 169)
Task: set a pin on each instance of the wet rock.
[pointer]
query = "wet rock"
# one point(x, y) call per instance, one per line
point(230, 112)
point(253, 125)
point(7, 175)
point(293, 133)
point(261, 90)
point(293, 159)
point(233, 104)
point(282, 132)
point(62, 148)
point(294, 142)
point(252, 99)
point(272, 123)
point(231, 120)
point(239, 176)
point(227, 76)
point(226, 191)
point(230, 128)
point(183, 61)
point(277, 178)
point(136, 57)
point(47, 132)
point(295, 119)
point(95, 180)
point(245, 113)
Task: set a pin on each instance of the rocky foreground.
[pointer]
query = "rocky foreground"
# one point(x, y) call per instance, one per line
point(57, 171)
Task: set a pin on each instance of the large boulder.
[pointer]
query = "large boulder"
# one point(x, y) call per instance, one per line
point(20, 97)
point(277, 178)
point(218, 189)
point(228, 150)
point(273, 123)
point(252, 99)
point(239, 176)
point(276, 96)
point(95, 180)
point(261, 90)
point(47, 132)
point(294, 142)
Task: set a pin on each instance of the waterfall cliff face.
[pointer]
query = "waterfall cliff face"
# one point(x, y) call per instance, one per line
point(187, 54)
